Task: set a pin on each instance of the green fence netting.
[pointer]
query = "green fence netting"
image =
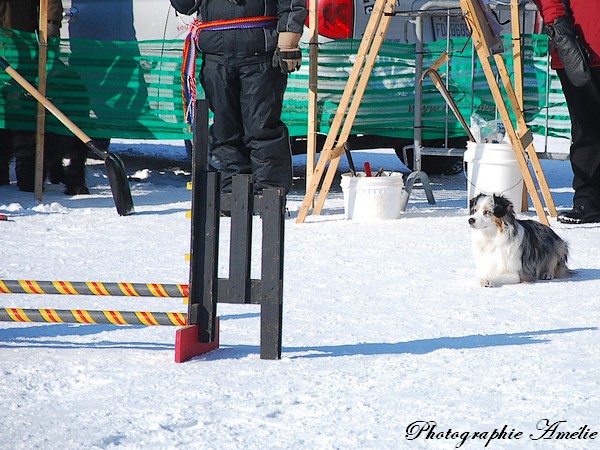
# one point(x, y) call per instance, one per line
point(132, 89)
point(388, 105)
point(108, 88)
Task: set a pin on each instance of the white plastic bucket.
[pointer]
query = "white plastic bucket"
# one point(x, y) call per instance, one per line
point(493, 169)
point(372, 198)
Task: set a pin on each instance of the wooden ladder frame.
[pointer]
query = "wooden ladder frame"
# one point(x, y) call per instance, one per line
point(347, 108)
point(488, 46)
point(521, 139)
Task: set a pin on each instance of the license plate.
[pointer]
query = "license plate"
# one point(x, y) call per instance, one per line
point(458, 28)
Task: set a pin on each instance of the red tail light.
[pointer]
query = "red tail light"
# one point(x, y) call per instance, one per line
point(336, 18)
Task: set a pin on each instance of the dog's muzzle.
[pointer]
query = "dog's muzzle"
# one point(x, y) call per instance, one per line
point(471, 221)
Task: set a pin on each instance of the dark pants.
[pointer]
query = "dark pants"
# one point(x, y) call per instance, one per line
point(5, 156)
point(247, 135)
point(23, 145)
point(57, 147)
point(71, 149)
point(584, 109)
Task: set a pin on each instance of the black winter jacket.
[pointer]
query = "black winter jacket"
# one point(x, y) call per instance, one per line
point(243, 45)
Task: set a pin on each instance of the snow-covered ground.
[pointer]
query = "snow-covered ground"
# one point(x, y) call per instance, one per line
point(386, 331)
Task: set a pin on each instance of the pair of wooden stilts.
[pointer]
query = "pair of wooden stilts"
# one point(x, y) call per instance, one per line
point(489, 50)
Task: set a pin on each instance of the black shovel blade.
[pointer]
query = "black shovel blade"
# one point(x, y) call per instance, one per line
point(119, 185)
point(117, 178)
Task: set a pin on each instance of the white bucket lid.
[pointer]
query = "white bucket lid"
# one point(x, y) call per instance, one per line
point(362, 180)
point(497, 153)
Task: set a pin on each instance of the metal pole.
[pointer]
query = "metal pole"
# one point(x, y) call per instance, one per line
point(418, 119)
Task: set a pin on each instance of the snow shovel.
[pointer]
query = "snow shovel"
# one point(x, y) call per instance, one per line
point(115, 169)
point(441, 87)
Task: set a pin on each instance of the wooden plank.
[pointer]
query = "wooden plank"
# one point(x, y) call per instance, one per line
point(517, 40)
point(41, 110)
point(517, 47)
point(187, 345)
point(241, 238)
point(204, 239)
point(355, 104)
point(524, 134)
point(473, 15)
point(271, 311)
point(313, 88)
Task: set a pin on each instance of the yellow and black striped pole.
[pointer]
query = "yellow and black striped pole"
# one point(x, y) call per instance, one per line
point(93, 288)
point(93, 317)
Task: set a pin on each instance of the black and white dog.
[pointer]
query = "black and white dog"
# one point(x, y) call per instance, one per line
point(508, 250)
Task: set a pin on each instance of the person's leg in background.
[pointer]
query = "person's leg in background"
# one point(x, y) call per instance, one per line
point(584, 104)
point(68, 165)
point(5, 156)
point(23, 145)
point(74, 168)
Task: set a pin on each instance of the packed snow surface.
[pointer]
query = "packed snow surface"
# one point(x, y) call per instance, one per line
point(388, 340)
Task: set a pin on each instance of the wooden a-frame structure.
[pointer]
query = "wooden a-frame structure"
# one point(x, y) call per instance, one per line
point(348, 107)
point(488, 47)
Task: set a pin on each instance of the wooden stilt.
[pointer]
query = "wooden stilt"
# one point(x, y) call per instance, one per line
point(348, 107)
point(41, 110)
point(486, 45)
point(517, 47)
point(313, 86)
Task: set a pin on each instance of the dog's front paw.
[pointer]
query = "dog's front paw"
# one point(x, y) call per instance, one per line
point(485, 282)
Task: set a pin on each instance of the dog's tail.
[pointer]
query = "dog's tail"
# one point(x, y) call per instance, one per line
point(561, 268)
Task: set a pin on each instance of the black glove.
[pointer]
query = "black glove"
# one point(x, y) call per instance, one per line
point(570, 49)
point(287, 60)
point(288, 55)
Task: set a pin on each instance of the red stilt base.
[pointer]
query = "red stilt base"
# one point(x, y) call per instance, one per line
point(187, 345)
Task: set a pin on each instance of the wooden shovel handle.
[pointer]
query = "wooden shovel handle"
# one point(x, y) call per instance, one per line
point(51, 107)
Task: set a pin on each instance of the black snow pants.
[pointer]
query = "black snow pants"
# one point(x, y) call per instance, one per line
point(247, 135)
point(584, 105)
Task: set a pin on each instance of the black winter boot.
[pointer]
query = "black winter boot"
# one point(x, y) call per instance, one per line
point(5, 156)
point(74, 175)
point(4, 169)
point(579, 214)
point(25, 169)
point(55, 172)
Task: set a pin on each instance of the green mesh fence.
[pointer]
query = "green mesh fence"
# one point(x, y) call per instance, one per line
point(109, 89)
point(132, 89)
point(387, 108)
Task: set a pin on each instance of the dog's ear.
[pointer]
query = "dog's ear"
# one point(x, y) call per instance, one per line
point(502, 206)
point(473, 203)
